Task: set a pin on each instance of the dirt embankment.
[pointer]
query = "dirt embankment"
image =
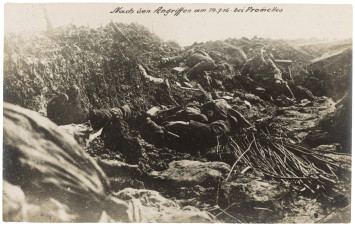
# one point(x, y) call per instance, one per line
point(101, 62)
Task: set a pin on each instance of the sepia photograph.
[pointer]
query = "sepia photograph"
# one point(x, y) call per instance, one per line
point(177, 112)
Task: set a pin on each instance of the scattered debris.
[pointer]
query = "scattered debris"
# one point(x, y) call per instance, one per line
point(292, 156)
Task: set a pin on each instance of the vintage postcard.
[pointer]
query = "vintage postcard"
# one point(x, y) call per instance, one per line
point(177, 113)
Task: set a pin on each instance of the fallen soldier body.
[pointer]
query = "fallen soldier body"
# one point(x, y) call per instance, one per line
point(261, 72)
point(185, 128)
point(65, 109)
point(197, 61)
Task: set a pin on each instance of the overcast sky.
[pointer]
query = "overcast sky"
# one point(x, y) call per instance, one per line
point(295, 21)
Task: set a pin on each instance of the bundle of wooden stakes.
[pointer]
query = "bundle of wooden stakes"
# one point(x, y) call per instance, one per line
point(311, 169)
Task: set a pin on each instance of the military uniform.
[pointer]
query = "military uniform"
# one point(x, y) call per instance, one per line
point(57, 109)
point(99, 118)
point(66, 109)
point(197, 60)
point(197, 134)
point(261, 71)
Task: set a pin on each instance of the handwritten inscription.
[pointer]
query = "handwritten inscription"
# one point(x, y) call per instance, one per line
point(182, 10)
